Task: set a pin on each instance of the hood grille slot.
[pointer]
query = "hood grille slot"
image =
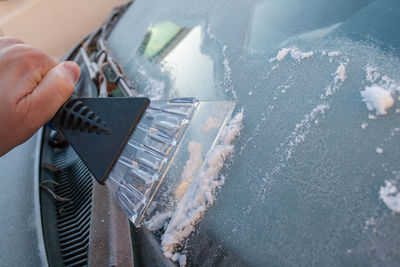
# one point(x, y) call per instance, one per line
point(73, 218)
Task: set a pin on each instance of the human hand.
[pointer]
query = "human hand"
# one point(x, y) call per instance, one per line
point(33, 87)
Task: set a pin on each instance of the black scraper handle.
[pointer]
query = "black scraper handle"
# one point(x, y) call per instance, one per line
point(76, 115)
point(99, 128)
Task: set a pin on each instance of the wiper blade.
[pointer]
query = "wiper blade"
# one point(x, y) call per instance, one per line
point(92, 67)
point(102, 67)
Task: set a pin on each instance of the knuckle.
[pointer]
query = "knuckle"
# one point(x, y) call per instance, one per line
point(27, 55)
point(8, 41)
point(10, 55)
point(37, 59)
point(17, 49)
point(28, 60)
point(16, 54)
point(9, 38)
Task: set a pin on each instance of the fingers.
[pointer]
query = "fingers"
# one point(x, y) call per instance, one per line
point(53, 90)
point(33, 87)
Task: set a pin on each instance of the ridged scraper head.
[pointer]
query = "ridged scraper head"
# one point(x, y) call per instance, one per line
point(99, 128)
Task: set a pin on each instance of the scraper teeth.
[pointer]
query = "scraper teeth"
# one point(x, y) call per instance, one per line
point(143, 161)
point(164, 132)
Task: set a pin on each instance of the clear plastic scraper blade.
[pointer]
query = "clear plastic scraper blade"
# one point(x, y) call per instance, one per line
point(157, 150)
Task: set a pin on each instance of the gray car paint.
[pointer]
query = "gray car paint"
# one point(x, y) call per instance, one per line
point(21, 228)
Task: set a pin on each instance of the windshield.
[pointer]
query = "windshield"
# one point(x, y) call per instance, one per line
point(314, 178)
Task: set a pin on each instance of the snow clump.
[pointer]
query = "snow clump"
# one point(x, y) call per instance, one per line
point(377, 99)
point(390, 196)
point(295, 53)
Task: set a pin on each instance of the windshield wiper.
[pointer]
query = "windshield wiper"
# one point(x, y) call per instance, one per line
point(102, 67)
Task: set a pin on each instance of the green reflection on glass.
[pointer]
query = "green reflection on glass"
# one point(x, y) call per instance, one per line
point(178, 53)
point(160, 39)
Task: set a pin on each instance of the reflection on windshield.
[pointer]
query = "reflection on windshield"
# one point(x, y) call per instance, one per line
point(178, 49)
point(160, 39)
point(275, 21)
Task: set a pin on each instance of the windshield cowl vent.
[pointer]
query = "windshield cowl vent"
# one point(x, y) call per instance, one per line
point(74, 182)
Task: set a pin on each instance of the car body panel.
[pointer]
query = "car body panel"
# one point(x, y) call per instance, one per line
point(21, 229)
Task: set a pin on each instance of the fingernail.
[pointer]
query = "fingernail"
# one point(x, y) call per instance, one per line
point(73, 69)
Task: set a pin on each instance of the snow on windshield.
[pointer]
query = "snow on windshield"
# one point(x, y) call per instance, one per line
point(319, 140)
point(295, 53)
point(200, 193)
point(390, 195)
point(379, 95)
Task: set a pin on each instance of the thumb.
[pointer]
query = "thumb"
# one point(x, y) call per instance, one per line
point(53, 90)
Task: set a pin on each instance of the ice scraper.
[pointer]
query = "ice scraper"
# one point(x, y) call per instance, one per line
point(133, 146)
